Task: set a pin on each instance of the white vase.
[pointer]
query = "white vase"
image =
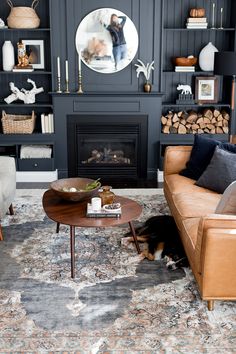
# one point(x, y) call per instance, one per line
point(207, 57)
point(8, 57)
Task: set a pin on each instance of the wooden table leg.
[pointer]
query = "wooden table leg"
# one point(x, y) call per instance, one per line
point(72, 250)
point(132, 229)
point(58, 227)
point(11, 210)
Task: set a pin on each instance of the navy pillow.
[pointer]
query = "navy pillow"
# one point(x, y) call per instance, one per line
point(220, 172)
point(201, 154)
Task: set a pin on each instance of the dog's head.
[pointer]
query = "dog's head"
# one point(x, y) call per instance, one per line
point(175, 262)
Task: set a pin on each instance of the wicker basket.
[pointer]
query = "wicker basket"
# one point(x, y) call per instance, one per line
point(18, 124)
point(22, 16)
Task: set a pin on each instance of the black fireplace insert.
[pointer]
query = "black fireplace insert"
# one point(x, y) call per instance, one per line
point(112, 147)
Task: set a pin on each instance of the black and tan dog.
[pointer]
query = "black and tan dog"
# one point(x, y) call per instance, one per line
point(163, 240)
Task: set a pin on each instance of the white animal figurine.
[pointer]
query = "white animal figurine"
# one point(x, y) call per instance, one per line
point(27, 96)
point(186, 89)
point(2, 23)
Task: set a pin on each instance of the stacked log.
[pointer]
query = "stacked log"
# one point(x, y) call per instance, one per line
point(209, 121)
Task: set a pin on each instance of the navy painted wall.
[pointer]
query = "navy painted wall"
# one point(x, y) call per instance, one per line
point(146, 15)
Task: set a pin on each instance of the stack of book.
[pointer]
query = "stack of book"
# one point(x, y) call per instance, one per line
point(47, 123)
point(182, 69)
point(196, 23)
point(102, 213)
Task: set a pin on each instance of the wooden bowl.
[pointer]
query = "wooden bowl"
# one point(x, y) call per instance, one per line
point(78, 183)
point(182, 61)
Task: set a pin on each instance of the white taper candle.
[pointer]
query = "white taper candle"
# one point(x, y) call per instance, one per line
point(58, 67)
point(67, 71)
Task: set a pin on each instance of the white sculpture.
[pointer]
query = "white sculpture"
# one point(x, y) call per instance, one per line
point(27, 96)
point(186, 89)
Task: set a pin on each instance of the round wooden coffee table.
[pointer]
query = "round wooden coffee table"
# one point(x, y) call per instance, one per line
point(74, 215)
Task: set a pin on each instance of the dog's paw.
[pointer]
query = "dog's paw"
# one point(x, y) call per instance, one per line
point(141, 256)
point(148, 255)
point(126, 241)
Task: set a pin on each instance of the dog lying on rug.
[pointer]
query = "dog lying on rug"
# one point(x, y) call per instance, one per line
point(163, 240)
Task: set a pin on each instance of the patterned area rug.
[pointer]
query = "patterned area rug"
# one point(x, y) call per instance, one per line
point(117, 303)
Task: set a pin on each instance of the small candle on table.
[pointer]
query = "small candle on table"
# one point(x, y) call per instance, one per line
point(67, 71)
point(58, 67)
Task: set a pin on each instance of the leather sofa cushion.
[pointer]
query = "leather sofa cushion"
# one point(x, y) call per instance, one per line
point(179, 184)
point(195, 205)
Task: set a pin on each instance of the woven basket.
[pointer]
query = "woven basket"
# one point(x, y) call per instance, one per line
point(18, 124)
point(23, 17)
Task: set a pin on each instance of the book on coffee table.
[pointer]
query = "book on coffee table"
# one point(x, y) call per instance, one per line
point(102, 213)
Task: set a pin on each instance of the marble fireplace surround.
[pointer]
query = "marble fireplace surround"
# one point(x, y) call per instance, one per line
point(107, 104)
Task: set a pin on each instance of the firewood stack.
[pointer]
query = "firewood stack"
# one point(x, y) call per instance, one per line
point(210, 121)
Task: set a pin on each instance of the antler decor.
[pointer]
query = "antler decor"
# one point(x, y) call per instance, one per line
point(27, 96)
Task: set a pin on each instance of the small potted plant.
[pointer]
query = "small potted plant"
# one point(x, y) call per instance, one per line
point(146, 70)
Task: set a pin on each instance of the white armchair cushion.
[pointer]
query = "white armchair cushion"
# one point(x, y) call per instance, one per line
point(227, 203)
point(7, 183)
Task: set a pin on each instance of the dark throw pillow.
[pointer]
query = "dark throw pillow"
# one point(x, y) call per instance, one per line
point(201, 154)
point(220, 172)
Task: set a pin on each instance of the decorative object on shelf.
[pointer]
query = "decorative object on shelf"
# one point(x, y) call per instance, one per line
point(35, 50)
point(183, 61)
point(208, 121)
point(197, 19)
point(47, 123)
point(107, 196)
point(198, 13)
point(221, 18)
point(27, 96)
point(80, 91)
point(183, 64)
point(18, 124)
point(107, 40)
point(22, 57)
point(225, 64)
point(207, 56)
point(146, 70)
point(8, 56)
point(22, 16)
point(2, 24)
point(67, 77)
point(186, 96)
point(213, 15)
point(35, 151)
point(59, 75)
point(206, 89)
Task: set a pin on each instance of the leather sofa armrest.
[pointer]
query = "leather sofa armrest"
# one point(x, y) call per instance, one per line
point(175, 158)
point(215, 255)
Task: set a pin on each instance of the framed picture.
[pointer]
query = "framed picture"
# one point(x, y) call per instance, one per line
point(35, 50)
point(206, 89)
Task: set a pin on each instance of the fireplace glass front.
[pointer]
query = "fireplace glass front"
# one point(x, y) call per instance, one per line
point(114, 148)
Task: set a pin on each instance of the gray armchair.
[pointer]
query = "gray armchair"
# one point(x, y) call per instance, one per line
point(7, 186)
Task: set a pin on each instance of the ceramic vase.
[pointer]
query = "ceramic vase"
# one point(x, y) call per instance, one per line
point(8, 57)
point(147, 87)
point(207, 57)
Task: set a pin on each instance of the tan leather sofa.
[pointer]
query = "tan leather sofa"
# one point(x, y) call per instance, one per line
point(209, 239)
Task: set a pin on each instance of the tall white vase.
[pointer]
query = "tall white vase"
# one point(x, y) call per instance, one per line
point(8, 57)
point(207, 57)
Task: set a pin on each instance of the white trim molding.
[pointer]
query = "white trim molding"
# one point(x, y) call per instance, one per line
point(39, 176)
